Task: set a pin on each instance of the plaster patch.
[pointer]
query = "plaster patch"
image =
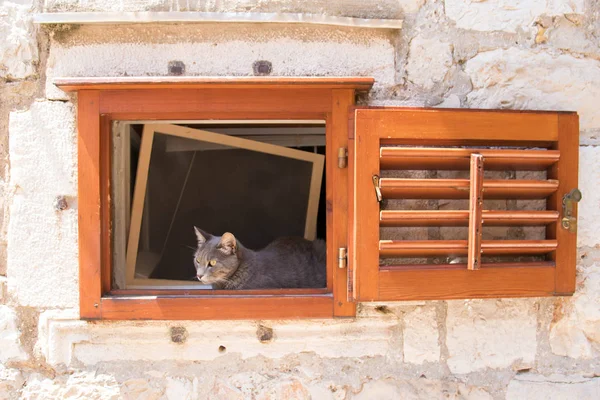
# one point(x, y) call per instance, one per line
point(10, 344)
point(421, 336)
point(42, 242)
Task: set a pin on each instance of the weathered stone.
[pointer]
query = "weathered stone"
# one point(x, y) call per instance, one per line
point(522, 79)
point(11, 380)
point(43, 165)
point(421, 336)
point(80, 385)
point(10, 342)
point(502, 15)
point(291, 389)
point(490, 334)
point(588, 228)
point(139, 389)
point(392, 389)
point(577, 332)
point(554, 387)
point(179, 389)
point(428, 61)
point(18, 47)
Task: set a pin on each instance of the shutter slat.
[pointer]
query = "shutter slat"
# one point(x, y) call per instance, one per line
point(407, 218)
point(399, 188)
point(431, 248)
point(408, 267)
point(424, 158)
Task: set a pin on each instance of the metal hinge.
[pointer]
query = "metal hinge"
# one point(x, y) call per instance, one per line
point(342, 157)
point(568, 221)
point(342, 257)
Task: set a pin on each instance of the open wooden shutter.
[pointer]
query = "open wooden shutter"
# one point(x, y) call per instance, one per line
point(409, 155)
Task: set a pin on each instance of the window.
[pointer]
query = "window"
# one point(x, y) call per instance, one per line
point(405, 206)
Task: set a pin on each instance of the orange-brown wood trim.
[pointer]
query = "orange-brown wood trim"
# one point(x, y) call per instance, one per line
point(105, 202)
point(430, 125)
point(337, 199)
point(428, 284)
point(214, 100)
point(187, 82)
point(216, 293)
point(566, 171)
point(89, 207)
point(190, 308)
point(475, 209)
point(366, 210)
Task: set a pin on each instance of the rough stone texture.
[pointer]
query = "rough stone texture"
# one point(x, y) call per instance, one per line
point(79, 385)
point(18, 47)
point(576, 332)
point(42, 242)
point(520, 79)
point(490, 334)
point(421, 336)
point(506, 15)
point(428, 62)
point(293, 51)
point(555, 387)
point(588, 229)
point(10, 343)
point(391, 389)
point(11, 380)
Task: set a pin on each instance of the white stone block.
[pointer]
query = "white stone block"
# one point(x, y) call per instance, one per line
point(62, 339)
point(10, 337)
point(506, 15)
point(18, 46)
point(428, 61)
point(523, 79)
point(577, 333)
point(490, 334)
point(79, 385)
point(292, 51)
point(397, 388)
point(11, 380)
point(588, 228)
point(554, 387)
point(42, 241)
point(421, 336)
point(139, 389)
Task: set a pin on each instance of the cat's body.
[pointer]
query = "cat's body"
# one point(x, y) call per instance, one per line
point(285, 263)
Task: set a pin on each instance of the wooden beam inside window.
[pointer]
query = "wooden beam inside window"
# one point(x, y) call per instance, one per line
point(475, 207)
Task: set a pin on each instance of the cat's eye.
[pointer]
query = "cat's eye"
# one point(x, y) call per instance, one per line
point(198, 260)
point(213, 262)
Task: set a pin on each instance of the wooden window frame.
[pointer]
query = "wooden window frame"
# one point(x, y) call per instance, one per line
point(101, 101)
point(374, 128)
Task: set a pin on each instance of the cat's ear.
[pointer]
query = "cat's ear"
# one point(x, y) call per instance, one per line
point(201, 236)
point(228, 243)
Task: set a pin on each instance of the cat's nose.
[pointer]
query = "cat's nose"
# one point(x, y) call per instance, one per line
point(199, 277)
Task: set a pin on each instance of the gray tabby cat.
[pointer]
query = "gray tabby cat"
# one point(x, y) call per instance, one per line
point(225, 263)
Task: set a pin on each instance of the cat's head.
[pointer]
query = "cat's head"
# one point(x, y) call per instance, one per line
point(216, 257)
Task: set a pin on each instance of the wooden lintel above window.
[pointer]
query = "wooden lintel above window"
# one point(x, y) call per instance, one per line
point(221, 82)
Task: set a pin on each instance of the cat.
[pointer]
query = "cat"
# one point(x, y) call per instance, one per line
point(290, 262)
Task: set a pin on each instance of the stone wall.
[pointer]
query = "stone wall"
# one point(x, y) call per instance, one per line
point(529, 54)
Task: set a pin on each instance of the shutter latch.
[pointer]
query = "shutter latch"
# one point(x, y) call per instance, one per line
point(342, 257)
point(568, 221)
point(377, 188)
